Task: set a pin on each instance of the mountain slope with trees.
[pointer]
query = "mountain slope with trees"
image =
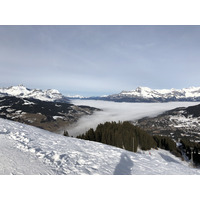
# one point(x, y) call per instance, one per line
point(127, 136)
point(48, 115)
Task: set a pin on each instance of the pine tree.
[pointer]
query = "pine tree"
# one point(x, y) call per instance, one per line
point(66, 133)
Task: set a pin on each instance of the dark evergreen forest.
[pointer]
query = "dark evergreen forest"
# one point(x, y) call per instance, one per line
point(129, 137)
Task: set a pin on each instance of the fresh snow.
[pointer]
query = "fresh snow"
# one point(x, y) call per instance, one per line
point(29, 150)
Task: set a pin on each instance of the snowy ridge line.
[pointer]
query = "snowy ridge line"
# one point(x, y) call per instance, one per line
point(146, 92)
point(66, 155)
point(157, 95)
point(23, 92)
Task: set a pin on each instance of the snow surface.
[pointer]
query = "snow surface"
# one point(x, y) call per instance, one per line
point(29, 150)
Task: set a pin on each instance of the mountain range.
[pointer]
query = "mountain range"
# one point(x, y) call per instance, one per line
point(145, 94)
point(140, 94)
point(21, 91)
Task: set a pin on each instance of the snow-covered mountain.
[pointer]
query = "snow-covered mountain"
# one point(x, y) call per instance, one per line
point(43, 95)
point(145, 94)
point(29, 150)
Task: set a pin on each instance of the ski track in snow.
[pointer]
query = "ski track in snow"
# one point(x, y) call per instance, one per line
point(29, 150)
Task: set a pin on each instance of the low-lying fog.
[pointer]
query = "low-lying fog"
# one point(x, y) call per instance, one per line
point(113, 111)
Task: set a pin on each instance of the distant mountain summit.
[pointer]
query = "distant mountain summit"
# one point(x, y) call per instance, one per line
point(21, 91)
point(145, 94)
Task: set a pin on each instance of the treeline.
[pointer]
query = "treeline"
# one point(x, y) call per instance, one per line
point(187, 144)
point(191, 147)
point(129, 137)
point(167, 143)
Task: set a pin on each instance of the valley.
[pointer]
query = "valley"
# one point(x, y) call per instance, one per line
point(119, 111)
point(52, 111)
point(49, 112)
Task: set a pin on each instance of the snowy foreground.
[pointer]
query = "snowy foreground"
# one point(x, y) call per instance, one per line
point(29, 150)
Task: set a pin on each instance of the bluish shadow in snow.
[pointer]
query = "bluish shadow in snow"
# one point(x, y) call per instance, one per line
point(168, 158)
point(124, 166)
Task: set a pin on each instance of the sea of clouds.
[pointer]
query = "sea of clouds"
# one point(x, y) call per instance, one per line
point(114, 111)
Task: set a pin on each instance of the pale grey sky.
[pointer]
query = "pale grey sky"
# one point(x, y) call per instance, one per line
point(97, 60)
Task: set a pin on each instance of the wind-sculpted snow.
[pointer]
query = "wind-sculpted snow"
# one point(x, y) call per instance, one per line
point(29, 150)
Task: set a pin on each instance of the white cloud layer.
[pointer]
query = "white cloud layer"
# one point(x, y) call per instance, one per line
point(113, 111)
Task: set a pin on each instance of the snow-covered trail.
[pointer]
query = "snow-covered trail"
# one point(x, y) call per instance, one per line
point(29, 150)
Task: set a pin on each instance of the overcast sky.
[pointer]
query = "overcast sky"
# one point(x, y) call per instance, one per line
point(97, 60)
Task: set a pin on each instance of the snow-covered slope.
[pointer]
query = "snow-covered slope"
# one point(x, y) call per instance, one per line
point(43, 95)
point(29, 150)
point(154, 95)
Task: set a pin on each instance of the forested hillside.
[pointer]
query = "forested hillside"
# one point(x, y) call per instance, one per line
point(127, 136)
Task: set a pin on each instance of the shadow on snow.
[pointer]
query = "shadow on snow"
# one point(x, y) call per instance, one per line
point(168, 158)
point(124, 166)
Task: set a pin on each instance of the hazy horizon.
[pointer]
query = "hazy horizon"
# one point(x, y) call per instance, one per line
point(98, 60)
point(78, 95)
